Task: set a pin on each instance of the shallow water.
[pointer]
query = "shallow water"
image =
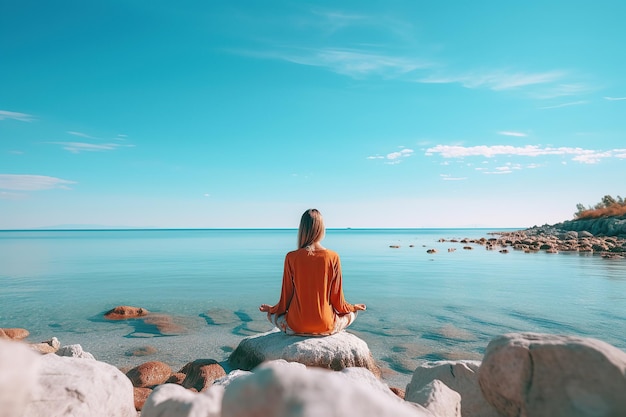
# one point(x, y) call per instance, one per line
point(421, 306)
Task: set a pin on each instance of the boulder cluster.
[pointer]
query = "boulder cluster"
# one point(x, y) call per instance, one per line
point(605, 237)
point(272, 374)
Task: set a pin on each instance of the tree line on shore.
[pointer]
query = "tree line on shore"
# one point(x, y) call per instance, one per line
point(607, 207)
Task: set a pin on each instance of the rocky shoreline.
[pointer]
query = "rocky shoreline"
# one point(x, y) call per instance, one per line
point(519, 374)
point(605, 237)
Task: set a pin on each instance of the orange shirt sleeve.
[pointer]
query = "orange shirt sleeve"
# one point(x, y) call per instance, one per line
point(286, 293)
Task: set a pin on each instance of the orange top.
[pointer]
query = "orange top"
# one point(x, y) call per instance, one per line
point(312, 291)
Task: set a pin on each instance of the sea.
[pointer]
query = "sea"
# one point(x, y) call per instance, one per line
point(208, 285)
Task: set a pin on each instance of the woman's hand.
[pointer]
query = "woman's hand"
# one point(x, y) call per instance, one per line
point(360, 307)
point(265, 308)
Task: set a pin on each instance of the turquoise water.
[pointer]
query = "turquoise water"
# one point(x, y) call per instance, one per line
point(421, 306)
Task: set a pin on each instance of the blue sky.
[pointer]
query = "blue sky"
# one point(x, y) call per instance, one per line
point(243, 114)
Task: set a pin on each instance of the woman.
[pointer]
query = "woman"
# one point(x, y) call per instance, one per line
point(311, 301)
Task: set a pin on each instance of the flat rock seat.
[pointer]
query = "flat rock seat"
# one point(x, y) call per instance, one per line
point(339, 351)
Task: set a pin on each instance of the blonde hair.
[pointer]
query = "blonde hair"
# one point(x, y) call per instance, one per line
point(311, 228)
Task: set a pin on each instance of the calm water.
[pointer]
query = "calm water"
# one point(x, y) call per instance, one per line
point(446, 305)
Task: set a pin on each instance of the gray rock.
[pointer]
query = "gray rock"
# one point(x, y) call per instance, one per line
point(172, 400)
point(339, 351)
point(80, 388)
point(280, 388)
point(438, 399)
point(74, 351)
point(541, 375)
point(459, 376)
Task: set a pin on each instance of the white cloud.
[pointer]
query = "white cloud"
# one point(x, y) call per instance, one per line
point(77, 147)
point(558, 106)
point(586, 156)
point(496, 80)
point(82, 135)
point(4, 114)
point(615, 98)
point(447, 177)
point(32, 182)
point(516, 134)
point(352, 62)
point(394, 158)
point(404, 153)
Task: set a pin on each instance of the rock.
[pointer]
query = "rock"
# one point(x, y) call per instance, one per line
point(149, 374)
point(141, 395)
point(171, 400)
point(142, 351)
point(338, 351)
point(74, 351)
point(438, 399)
point(19, 367)
point(279, 388)
point(125, 312)
point(165, 324)
point(232, 375)
point(49, 346)
point(220, 316)
point(541, 375)
point(459, 376)
point(14, 333)
point(80, 388)
point(176, 378)
point(201, 373)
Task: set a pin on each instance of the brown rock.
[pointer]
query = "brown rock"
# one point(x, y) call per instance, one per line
point(125, 312)
point(141, 395)
point(201, 373)
point(149, 374)
point(176, 378)
point(15, 333)
point(165, 324)
point(398, 391)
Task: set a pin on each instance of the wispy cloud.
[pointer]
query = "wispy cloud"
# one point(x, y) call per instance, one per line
point(615, 98)
point(77, 147)
point(496, 80)
point(32, 182)
point(355, 63)
point(80, 134)
point(447, 177)
point(394, 157)
point(509, 133)
point(7, 195)
point(586, 156)
point(4, 114)
point(558, 106)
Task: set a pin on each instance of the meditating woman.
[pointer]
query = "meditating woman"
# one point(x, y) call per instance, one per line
point(311, 300)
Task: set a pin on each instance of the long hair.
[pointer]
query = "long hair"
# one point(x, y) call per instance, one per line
point(311, 228)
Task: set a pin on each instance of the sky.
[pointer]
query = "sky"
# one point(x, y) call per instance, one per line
point(394, 113)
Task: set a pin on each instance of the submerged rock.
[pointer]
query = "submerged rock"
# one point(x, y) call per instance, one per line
point(125, 312)
point(338, 351)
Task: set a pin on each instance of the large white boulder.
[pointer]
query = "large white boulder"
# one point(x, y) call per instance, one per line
point(19, 366)
point(282, 389)
point(80, 388)
point(338, 351)
point(541, 375)
point(172, 400)
point(459, 376)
